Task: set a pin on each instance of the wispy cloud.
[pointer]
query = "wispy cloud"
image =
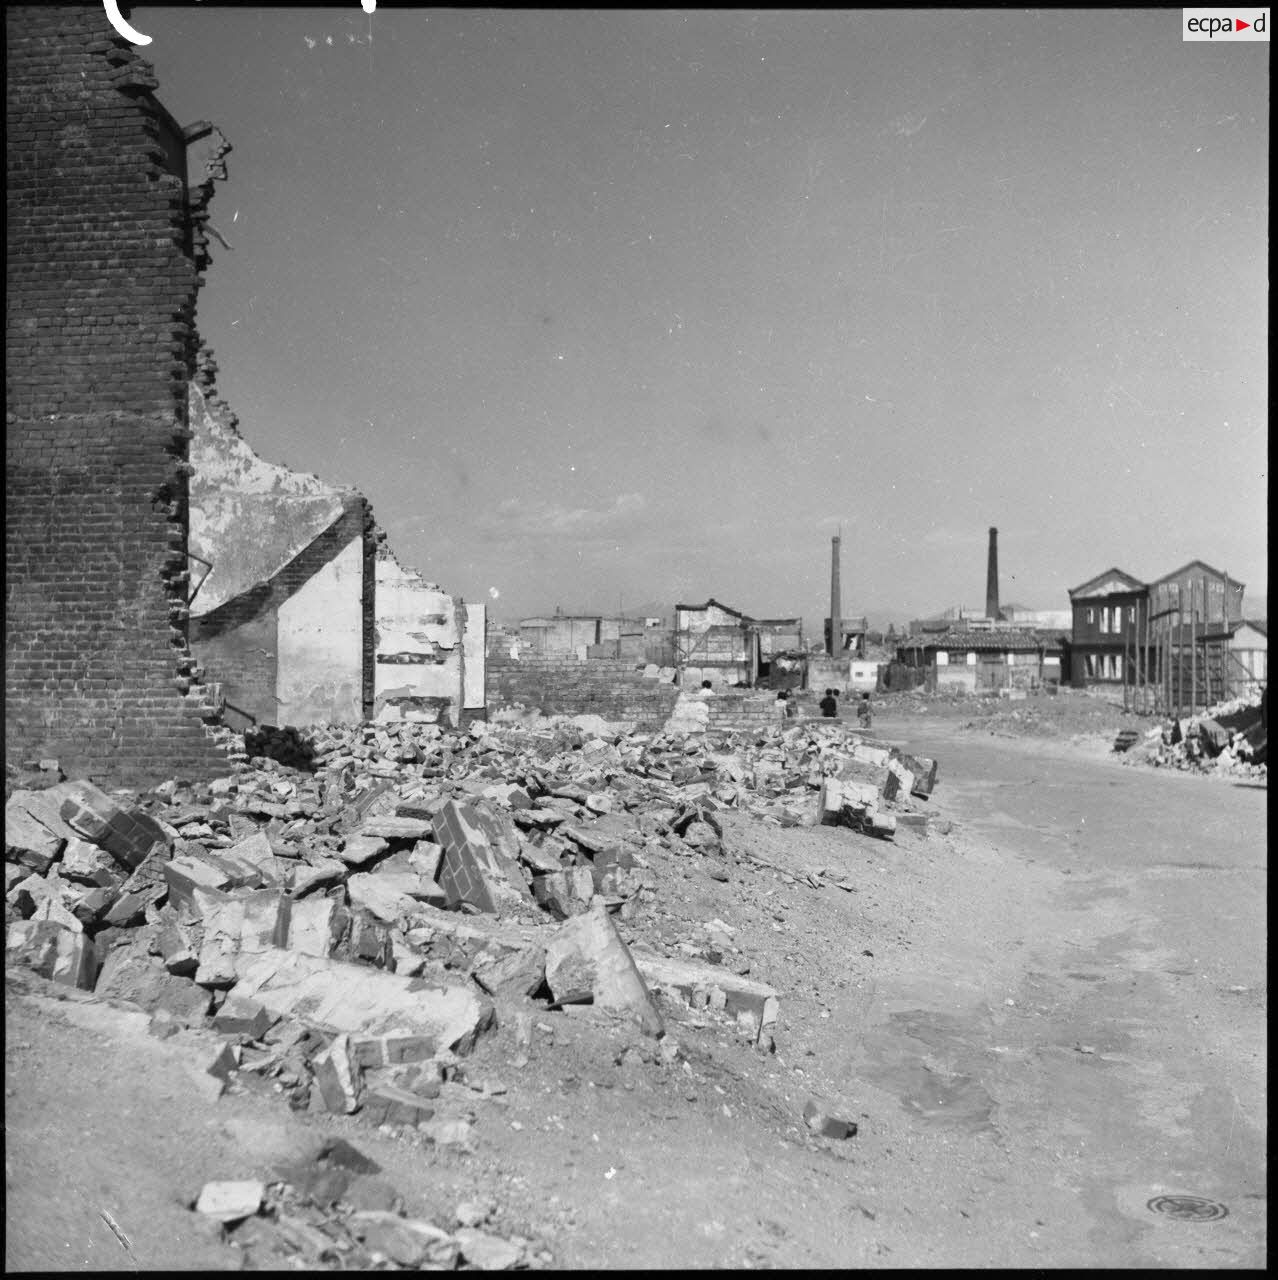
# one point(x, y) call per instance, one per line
point(531, 518)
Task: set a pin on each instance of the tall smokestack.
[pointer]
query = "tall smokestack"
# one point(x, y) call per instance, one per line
point(835, 639)
point(991, 578)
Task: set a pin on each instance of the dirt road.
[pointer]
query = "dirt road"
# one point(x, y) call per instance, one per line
point(1041, 1022)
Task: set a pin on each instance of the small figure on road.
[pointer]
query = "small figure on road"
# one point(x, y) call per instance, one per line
point(863, 711)
point(830, 704)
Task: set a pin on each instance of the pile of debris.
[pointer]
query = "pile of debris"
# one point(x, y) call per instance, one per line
point(331, 1206)
point(1230, 739)
point(349, 928)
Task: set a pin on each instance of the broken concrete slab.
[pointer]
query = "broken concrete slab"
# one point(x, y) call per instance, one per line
point(341, 997)
point(314, 926)
point(396, 827)
point(185, 874)
point(337, 1077)
point(27, 840)
point(244, 923)
point(390, 1104)
point(84, 861)
point(228, 1202)
point(257, 851)
point(316, 873)
point(240, 1016)
point(690, 981)
point(130, 973)
point(522, 973)
point(565, 893)
point(587, 959)
point(391, 895)
point(63, 955)
point(357, 850)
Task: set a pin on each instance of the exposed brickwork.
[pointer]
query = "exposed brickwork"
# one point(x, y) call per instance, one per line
point(743, 709)
point(103, 267)
point(612, 688)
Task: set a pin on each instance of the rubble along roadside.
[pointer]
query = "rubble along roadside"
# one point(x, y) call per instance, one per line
point(348, 932)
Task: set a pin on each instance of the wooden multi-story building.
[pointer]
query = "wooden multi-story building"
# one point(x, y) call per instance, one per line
point(1110, 612)
point(1167, 644)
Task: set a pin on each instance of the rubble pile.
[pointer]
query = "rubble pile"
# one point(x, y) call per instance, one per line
point(349, 924)
point(1230, 740)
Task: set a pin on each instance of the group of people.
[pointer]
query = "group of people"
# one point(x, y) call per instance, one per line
point(829, 706)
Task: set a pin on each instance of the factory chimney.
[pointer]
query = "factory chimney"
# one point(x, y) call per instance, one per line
point(991, 579)
point(834, 637)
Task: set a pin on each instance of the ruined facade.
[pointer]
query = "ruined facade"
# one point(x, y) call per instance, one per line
point(429, 648)
point(105, 249)
point(282, 579)
point(298, 609)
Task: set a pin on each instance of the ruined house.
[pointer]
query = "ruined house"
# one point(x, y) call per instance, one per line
point(106, 245)
point(725, 646)
point(282, 573)
point(983, 661)
point(160, 575)
point(299, 610)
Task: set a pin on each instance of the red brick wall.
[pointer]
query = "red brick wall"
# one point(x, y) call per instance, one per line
point(100, 338)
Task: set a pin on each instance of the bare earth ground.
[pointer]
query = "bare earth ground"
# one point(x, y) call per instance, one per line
point(1041, 1022)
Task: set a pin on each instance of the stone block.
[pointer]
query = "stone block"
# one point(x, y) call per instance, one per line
point(424, 859)
point(922, 767)
point(26, 839)
point(257, 852)
point(587, 958)
point(521, 973)
point(230, 1201)
point(733, 993)
point(337, 1077)
point(130, 973)
point(314, 926)
point(358, 850)
point(185, 874)
point(368, 941)
point(390, 1104)
point(477, 865)
point(240, 1016)
point(383, 895)
point(396, 827)
point(246, 922)
point(341, 997)
point(128, 835)
point(178, 950)
point(88, 905)
point(53, 951)
point(565, 893)
point(82, 860)
point(316, 873)
point(541, 859)
point(820, 1121)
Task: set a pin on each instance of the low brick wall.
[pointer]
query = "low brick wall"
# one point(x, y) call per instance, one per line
point(557, 685)
point(743, 709)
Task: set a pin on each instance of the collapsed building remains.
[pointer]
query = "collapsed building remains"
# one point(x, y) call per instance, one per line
point(165, 584)
point(106, 245)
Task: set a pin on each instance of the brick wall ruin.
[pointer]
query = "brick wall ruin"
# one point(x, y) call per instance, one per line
point(104, 262)
point(612, 688)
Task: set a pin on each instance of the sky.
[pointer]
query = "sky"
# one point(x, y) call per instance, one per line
point(610, 308)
